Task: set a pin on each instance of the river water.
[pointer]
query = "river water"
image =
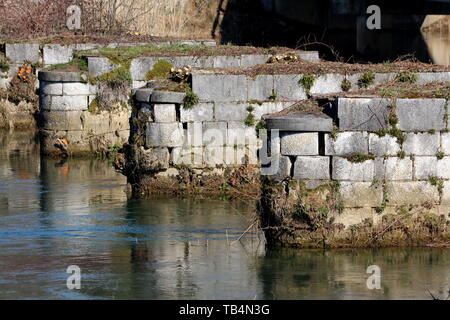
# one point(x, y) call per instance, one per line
point(55, 214)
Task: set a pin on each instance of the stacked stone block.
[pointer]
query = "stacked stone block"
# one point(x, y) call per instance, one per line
point(64, 103)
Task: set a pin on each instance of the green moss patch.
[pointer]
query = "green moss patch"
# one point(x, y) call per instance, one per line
point(161, 70)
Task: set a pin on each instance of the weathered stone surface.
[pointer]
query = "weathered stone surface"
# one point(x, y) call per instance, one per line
point(64, 103)
point(213, 156)
point(381, 146)
point(21, 52)
point(312, 168)
point(250, 60)
point(312, 56)
point(239, 134)
point(194, 134)
point(61, 120)
point(346, 143)
point(287, 87)
point(427, 77)
point(167, 97)
point(300, 144)
point(155, 159)
point(164, 113)
point(199, 112)
point(300, 121)
point(360, 194)
point(181, 155)
point(279, 168)
point(220, 88)
point(421, 114)
point(75, 88)
point(164, 135)
point(57, 54)
point(445, 142)
point(268, 108)
point(443, 168)
point(214, 134)
point(230, 111)
point(98, 66)
point(421, 144)
point(363, 114)
point(95, 124)
point(445, 198)
point(143, 95)
point(327, 83)
point(342, 169)
point(140, 66)
point(398, 169)
point(227, 61)
point(260, 87)
point(355, 216)
point(411, 193)
point(55, 76)
point(425, 167)
point(53, 88)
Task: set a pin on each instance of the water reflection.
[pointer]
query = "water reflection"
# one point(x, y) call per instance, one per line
point(57, 213)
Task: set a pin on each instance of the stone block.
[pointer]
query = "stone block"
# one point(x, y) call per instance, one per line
point(311, 56)
point(61, 120)
point(199, 112)
point(197, 156)
point(214, 134)
point(327, 83)
point(445, 142)
point(411, 193)
point(155, 159)
point(422, 144)
point(227, 61)
point(164, 113)
point(239, 134)
point(250, 60)
point(52, 88)
point(428, 77)
point(98, 66)
point(95, 124)
point(312, 168)
point(300, 144)
point(381, 146)
point(220, 88)
point(279, 168)
point(75, 89)
point(365, 114)
point(342, 169)
point(360, 194)
point(300, 121)
point(398, 169)
point(354, 216)
point(231, 111)
point(347, 143)
point(143, 95)
point(268, 108)
point(425, 167)
point(213, 156)
point(443, 168)
point(164, 135)
point(167, 97)
point(181, 156)
point(287, 87)
point(260, 87)
point(57, 54)
point(421, 114)
point(21, 52)
point(140, 66)
point(194, 134)
point(65, 103)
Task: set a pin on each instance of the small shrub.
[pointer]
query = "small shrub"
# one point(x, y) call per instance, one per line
point(409, 77)
point(161, 70)
point(366, 80)
point(260, 126)
point(307, 82)
point(397, 133)
point(250, 108)
point(393, 118)
point(360, 157)
point(4, 65)
point(401, 154)
point(273, 96)
point(346, 85)
point(120, 75)
point(436, 182)
point(250, 120)
point(191, 99)
point(440, 155)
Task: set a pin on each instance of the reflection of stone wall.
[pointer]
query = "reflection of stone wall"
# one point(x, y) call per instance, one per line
point(69, 124)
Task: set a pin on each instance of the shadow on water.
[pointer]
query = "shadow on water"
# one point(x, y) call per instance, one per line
point(55, 213)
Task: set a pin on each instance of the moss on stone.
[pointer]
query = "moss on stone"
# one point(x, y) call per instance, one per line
point(366, 80)
point(346, 85)
point(307, 82)
point(161, 70)
point(408, 77)
point(359, 157)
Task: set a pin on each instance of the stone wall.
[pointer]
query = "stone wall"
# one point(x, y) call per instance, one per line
point(69, 125)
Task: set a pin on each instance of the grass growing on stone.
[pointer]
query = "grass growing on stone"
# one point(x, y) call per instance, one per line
point(4, 65)
point(250, 121)
point(77, 64)
point(408, 77)
point(191, 99)
point(346, 85)
point(359, 157)
point(117, 76)
point(366, 80)
point(273, 96)
point(307, 82)
point(401, 154)
point(161, 70)
point(440, 155)
point(436, 182)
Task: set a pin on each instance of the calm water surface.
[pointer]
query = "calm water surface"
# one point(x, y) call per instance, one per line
point(54, 214)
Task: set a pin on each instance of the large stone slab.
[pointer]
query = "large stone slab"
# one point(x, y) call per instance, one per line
point(57, 54)
point(239, 134)
point(425, 167)
point(421, 114)
point(214, 134)
point(342, 169)
point(199, 112)
point(22, 52)
point(98, 66)
point(366, 114)
point(231, 111)
point(159, 96)
point(312, 168)
point(61, 120)
point(260, 87)
point(300, 121)
point(220, 88)
point(383, 146)
point(346, 143)
point(300, 144)
point(422, 144)
point(287, 87)
point(164, 113)
point(398, 169)
point(164, 135)
point(64, 103)
point(360, 194)
point(411, 193)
